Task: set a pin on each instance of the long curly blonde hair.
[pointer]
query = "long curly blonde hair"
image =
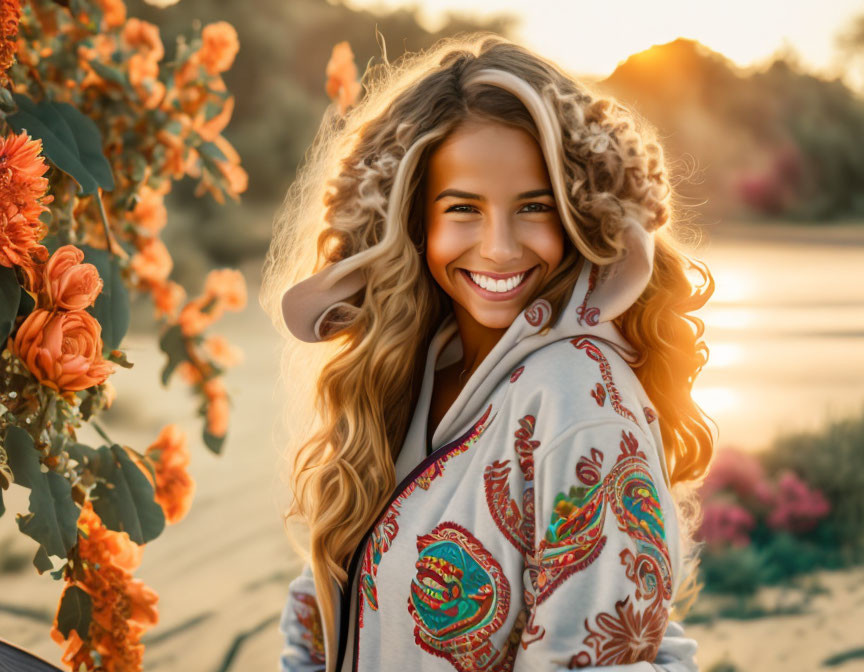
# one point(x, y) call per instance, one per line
point(351, 397)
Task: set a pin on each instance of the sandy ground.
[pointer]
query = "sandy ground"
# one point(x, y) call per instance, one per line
point(222, 573)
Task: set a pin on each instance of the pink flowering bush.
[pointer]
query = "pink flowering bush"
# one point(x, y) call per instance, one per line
point(756, 528)
point(725, 523)
point(797, 508)
point(738, 496)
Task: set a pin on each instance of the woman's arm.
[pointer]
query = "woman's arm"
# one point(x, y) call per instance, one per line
point(599, 580)
point(301, 628)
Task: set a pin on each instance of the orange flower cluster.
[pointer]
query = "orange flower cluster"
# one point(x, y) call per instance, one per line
point(22, 200)
point(10, 15)
point(123, 607)
point(174, 486)
point(217, 409)
point(224, 289)
point(342, 85)
point(60, 342)
point(113, 12)
point(144, 39)
point(219, 47)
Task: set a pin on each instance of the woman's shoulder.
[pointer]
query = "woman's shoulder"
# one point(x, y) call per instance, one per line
point(582, 394)
point(581, 379)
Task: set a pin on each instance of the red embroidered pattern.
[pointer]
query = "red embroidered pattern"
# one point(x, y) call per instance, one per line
point(516, 373)
point(584, 343)
point(459, 597)
point(650, 414)
point(589, 315)
point(630, 635)
point(515, 523)
point(599, 394)
point(387, 527)
point(575, 539)
point(306, 610)
point(538, 312)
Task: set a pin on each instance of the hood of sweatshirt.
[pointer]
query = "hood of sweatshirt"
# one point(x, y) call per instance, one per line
point(529, 331)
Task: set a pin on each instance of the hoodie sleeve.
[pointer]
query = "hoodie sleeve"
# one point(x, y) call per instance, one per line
point(598, 583)
point(300, 625)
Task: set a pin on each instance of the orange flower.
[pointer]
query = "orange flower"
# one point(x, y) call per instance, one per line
point(342, 84)
point(237, 178)
point(10, 15)
point(123, 607)
point(143, 75)
point(217, 416)
point(69, 284)
point(62, 349)
point(219, 47)
point(104, 546)
point(102, 50)
point(167, 296)
point(153, 262)
point(193, 319)
point(174, 486)
point(144, 36)
point(222, 352)
point(189, 372)
point(22, 200)
point(214, 388)
point(113, 12)
point(208, 130)
point(150, 212)
point(228, 286)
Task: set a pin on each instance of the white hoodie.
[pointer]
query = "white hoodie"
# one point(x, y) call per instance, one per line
point(540, 534)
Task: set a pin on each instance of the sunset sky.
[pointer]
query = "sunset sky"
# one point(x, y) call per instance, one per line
point(593, 37)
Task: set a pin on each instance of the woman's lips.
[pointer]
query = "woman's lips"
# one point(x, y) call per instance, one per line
point(498, 296)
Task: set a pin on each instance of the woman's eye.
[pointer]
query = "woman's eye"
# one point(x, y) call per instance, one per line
point(543, 206)
point(539, 207)
point(452, 208)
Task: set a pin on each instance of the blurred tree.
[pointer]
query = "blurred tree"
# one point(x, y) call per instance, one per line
point(850, 44)
point(779, 142)
point(278, 79)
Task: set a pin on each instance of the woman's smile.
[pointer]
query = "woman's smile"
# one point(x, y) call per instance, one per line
point(497, 286)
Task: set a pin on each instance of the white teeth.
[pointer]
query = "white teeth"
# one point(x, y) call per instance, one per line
point(493, 285)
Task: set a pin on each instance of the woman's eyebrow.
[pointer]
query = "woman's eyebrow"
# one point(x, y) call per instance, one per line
point(477, 197)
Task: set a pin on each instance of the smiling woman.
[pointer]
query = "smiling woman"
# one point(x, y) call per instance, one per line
point(498, 435)
point(493, 236)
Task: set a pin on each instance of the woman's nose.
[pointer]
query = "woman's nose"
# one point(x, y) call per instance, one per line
point(499, 244)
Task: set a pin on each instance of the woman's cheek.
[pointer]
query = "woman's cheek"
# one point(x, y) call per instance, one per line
point(547, 242)
point(444, 245)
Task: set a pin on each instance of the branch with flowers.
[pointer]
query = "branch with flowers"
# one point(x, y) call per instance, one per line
point(95, 126)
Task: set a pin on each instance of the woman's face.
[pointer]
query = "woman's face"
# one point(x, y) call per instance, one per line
point(493, 233)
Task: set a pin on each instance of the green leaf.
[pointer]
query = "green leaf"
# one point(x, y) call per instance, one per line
point(70, 140)
point(52, 242)
point(173, 344)
point(7, 103)
point(111, 74)
point(53, 517)
point(111, 309)
point(213, 442)
point(10, 299)
point(212, 151)
point(27, 304)
point(41, 561)
point(125, 501)
point(75, 612)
